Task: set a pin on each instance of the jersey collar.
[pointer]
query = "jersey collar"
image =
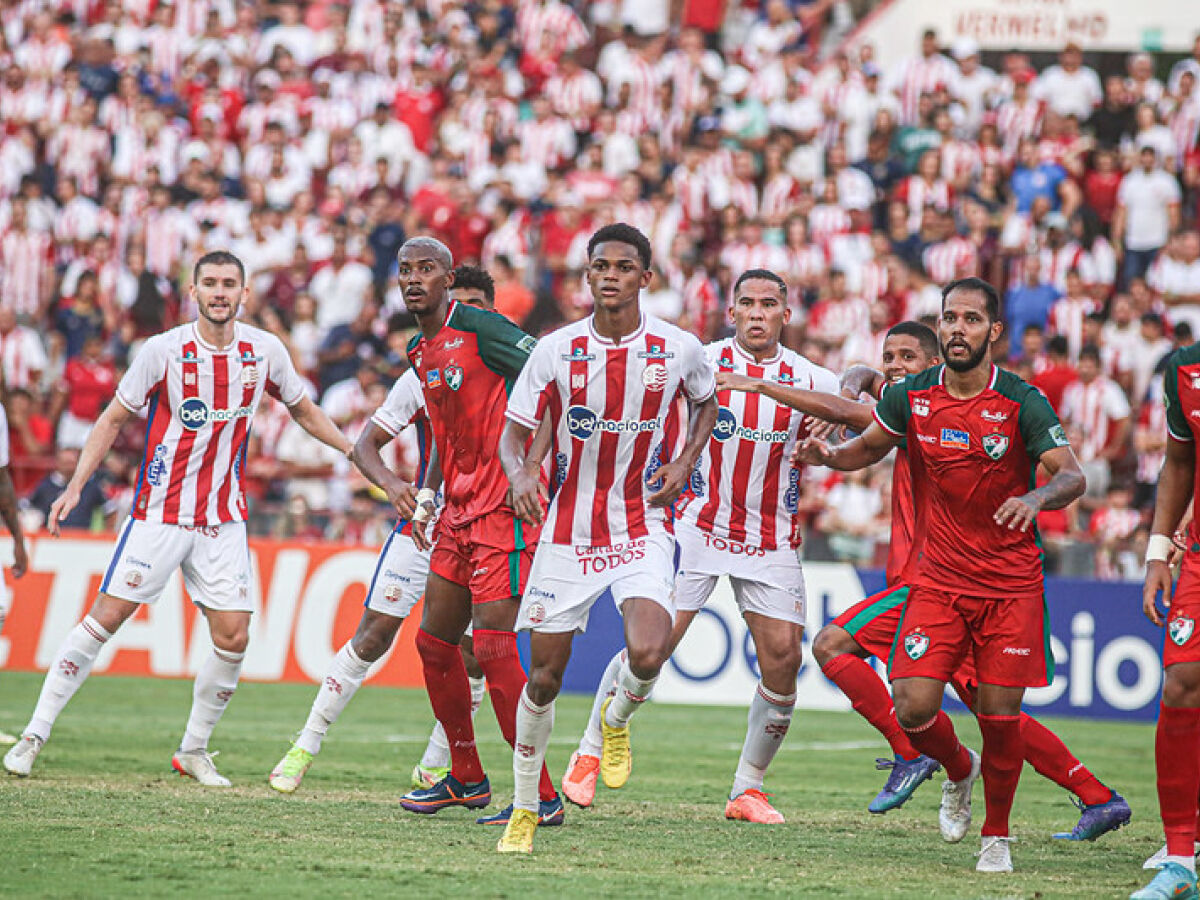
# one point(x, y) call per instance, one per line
point(749, 357)
point(608, 342)
point(207, 346)
point(991, 381)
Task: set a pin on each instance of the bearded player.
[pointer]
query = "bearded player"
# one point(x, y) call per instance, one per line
point(608, 385)
point(467, 360)
point(739, 519)
point(974, 435)
point(869, 627)
point(202, 382)
point(1177, 735)
point(399, 578)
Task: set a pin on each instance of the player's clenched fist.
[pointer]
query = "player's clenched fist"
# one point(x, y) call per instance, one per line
point(1017, 513)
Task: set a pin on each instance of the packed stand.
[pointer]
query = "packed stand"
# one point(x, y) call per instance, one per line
point(311, 139)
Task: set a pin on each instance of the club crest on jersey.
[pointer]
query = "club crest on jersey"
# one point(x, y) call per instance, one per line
point(433, 378)
point(915, 644)
point(1180, 629)
point(995, 445)
point(920, 406)
point(156, 471)
point(454, 377)
point(654, 378)
point(955, 439)
point(249, 374)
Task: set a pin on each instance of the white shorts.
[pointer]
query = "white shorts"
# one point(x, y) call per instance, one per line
point(767, 582)
point(399, 579)
point(215, 561)
point(565, 581)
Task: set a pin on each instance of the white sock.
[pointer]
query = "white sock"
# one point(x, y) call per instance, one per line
point(592, 739)
point(344, 676)
point(631, 693)
point(534, 724)
point(70, 669)
point(215, 683)
point(1188, 862)
point(437, 751)
point(767, 723)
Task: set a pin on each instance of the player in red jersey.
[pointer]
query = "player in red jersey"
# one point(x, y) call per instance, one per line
point(467, 360)
point(400, 574)
point(8, 513)
point(974, 436)
point(1177, 736)
point(868, 628)
point(202, 382)
point(608, 385)
point(740, 519)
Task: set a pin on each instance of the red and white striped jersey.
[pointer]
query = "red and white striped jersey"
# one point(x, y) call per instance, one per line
point(554, 17)
point(1066, 319)
point(166, 234)
point(744, 487)
point(573, 97)
point(1015, 121)
point(825, 220)
point(1094, 408)
point(917, 75)
point(779, 196)
point(22, 357)
point(742, 257)
point(917, 193)
point(549, 143)
point(612, 407)
point(950, 259)
point(24, 260)
point(960, 159)
point(201, 399)
point(1057, 263)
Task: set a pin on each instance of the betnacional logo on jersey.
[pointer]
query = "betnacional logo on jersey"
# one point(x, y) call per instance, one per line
point(995, 445)
point(915, 644)
point(194, 414)
point(1181, 629)
point(654, 378)
point(454, 377)
point(997, 417)
point(728, 427)
point(156, 471)
point(433, 378)
point(582, 423)
point(955, 439)
point(1058, 434)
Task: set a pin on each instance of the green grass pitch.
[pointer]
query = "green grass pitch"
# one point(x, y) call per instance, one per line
point(103, 815)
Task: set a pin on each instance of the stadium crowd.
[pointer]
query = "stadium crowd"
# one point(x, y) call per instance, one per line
point(312, 138)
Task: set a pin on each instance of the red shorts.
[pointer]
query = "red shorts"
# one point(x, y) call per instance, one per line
point(490, 556)
point(874, 622)
point(1009, 639)
point(1182, 643)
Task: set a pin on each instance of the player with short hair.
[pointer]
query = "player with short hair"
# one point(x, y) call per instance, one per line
point(975, 435)
point(1177, 734)
point(8, 512)
point(608, 385)
point(202, 382)
point(467, 360)
point(399, 578)
point(739, 518)
point(868, 628)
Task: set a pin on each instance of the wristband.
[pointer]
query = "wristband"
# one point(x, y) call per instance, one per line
point(1158, 548)
point(426, 504)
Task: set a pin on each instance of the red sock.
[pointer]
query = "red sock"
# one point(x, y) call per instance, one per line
point(1177, 760)
point(497, 655)
point(936, 738)
point(450, 695)
point(1049, 756)
point(1003, 757)
point(870, 699)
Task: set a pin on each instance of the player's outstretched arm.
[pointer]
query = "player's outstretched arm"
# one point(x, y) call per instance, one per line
point(673, 476)
point(367, 457)
point(8, 512)
point(860, 379)
point(1066, 484)
point(522, 470)
point(1170, 504)
point(829, 407)
point(316, 422)
point(99, 441)
point(865, 450)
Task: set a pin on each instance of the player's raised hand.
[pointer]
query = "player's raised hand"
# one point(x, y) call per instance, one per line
point(733, 381)
point(61, 508)
point(402, 495)
point(1158, 580)
point(812, 451)
point(671, 479)
point(1018, 513)
point(525, 497)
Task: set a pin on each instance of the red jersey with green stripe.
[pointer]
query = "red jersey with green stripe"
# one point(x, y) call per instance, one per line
point(904, 520)
point(466, 371)
point(966, 458)
point(200, 400)
point(1181, 389)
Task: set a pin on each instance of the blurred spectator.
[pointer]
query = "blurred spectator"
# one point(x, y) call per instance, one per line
point(1070, 88)
point(1029, 302)
point(30, 440)
point(93, 508)
point(348, 347)
point(1056, 373)
point(22, 357)
point(1112, 527)
point(1096, 406)
point(1146, 214)
point(854, 517)
point(88, 383)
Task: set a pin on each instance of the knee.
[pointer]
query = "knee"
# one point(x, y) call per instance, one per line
point(234, 639)
point(544, 684)
point(780, 665)
point(832, 641)
point(646, 658)
point(913, 712)
point(1181, 688)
